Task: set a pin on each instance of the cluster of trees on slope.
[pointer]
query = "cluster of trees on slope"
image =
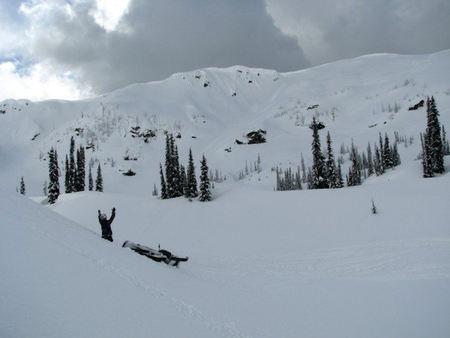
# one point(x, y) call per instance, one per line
point(434, 146)
point(179, 181)
point(325, 173)
point(253, 167)
point(75, 173)
point(217, 176)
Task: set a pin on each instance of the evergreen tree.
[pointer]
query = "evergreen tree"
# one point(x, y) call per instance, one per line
point(395, 155)
point(298, 180)
point(445, 143)
point(382, 159)
point(190, 177)
point(331, 165)
point(319, 175)
point(278, 184)
point(340, 179)
point(178, 180)
point(183, 180)
point(168, 167)
point(388, 162)
point(434, 137)
point(155, 190)
point(57, 168)
point(80, 176)
point(72, 169)
point(83, 168)
point(364, 165)
point(67, 177)
point(205, 186)
point(174, 188)
point(258, 164)
point(302, 163)
point(354, 175)
point(309, 179)
point(163, 183)
point(370, 168)
point(377, 162)
point(44, 188)
point(427, 160)
point(287, 182)
point(99, 180)
point(53, 186)
point(90, 180)
point(22, 186)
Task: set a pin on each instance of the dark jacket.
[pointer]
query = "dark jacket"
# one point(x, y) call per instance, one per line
point(106, 223)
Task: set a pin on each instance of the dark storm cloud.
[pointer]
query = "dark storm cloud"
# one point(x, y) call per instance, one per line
point(329, 30)
point(157, 38)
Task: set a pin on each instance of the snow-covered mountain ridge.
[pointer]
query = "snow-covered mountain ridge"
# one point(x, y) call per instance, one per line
point(211, 108)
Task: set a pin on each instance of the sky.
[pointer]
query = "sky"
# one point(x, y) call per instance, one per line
point(72, 49)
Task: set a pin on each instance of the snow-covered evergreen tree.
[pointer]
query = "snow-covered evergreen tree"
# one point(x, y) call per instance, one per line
point(433, 138)
point(445, 142)
point(354, 174)
point(22, 186)
point(163, 183)
point(205, 186)
point(90, 180)
point(169, 167)
point(309, 178)
point(178, 179)
point(302, 163)
point(80, 174)
point(331, 165)
point(53, 169)
point(99, 179)
point(68, 188)
point(72, 168)
point(155, 190)
point(370, 168)
point(382, 159)
point(183, 180)
point(298, 180)
point(258, 164)
point(377, 162)
point(190, 177)
point(387, 158)
point(319, 175)
point(340, 179)
point(427, 159)
point(173, 176)
point(278, 180)
point(395, 155)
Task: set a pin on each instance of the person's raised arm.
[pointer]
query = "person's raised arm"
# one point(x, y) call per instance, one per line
point(113, 215)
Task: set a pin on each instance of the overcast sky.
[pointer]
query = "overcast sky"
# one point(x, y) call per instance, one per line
point(79, 48)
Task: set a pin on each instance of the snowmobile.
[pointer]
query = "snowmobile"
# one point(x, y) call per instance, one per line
point(159, 255)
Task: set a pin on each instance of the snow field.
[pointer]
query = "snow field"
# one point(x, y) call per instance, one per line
point(262, 263)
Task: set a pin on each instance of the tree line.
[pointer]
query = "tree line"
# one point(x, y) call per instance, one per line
point(75, 173)
point(326, 172)
point(177, 180)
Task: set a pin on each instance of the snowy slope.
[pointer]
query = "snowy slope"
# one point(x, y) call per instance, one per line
point(262, 263)
point(354, 98)
point(60, 280)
